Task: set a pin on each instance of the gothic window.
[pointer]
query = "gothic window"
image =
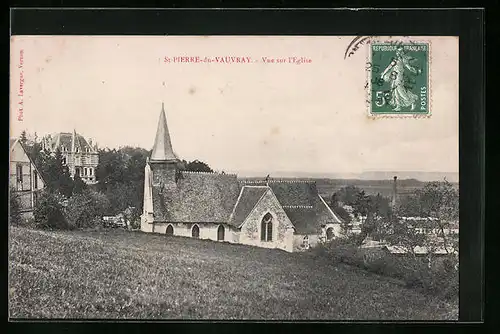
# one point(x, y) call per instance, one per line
point(220, 233)
point(85, 171)
point(329, 233)
point(195, 232)
point(266, 228)
point(170, 230)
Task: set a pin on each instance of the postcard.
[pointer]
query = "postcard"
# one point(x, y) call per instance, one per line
point(234, 177)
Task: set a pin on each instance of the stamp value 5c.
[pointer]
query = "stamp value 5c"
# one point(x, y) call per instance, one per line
point(399, 78)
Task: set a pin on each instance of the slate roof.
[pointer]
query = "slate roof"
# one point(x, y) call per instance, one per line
point(247, 200)
point(221, 198)
point(64, 139)
point(197, 198)
point(302, 204)
point(162, 148)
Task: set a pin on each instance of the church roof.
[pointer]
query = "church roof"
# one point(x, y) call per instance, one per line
point(162, 148)
point(247, 200)
point(197, 198)
point(302, 204)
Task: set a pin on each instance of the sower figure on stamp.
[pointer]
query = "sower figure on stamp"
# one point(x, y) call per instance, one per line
point(401, 96)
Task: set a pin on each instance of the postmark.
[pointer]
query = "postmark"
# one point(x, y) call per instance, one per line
point(398, 78)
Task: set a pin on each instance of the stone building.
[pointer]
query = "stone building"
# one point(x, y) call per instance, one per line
point(79, 155)
point(283, 214)
point(25, 180)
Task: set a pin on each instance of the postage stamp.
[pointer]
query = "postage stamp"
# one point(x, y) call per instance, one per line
point(398, 78)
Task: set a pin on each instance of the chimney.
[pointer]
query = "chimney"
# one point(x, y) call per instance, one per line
point(394, 191)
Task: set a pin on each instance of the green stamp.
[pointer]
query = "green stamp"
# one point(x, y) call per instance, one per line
point(399, 77)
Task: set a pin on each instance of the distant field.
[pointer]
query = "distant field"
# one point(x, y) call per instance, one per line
point(121, 274)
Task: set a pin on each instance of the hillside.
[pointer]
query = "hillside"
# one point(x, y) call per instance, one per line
point(121, 274)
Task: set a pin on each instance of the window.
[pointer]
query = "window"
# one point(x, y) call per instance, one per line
point(220, 233)
point(19, 176)
point(170, 230)
point(305, 242)
point(77, 171)
point(64, 160)
point(35, 179)
point(85, 171)
point(195, 232)
point(329, 233)
point(90, 171)
point(266, 228)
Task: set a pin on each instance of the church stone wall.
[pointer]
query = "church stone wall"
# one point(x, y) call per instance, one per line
point(282, 227)
point(207, 231)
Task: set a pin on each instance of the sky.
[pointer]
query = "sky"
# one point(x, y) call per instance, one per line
point(239, 117)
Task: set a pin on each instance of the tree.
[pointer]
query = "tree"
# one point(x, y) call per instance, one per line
point(57, 175)
point(49, 211)
point(347, 195)
point(362, 206)
point(86, 209)
point(14, 212)
point(431, 212)
point(23, 138)
point(198, 166)
point(78, 185)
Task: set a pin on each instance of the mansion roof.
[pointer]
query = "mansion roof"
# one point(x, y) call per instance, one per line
point(64, 141)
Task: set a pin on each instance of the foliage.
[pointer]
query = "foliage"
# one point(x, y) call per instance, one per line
point(347, 195)
point(436, 206)
point(102, 274)
point(23, 137)
point(440, 279)
point(120, 176)
point(78, 185)
point(48, 213)
point(86, 209)
point(14, 207)
point(198, 166)
point(371, 210)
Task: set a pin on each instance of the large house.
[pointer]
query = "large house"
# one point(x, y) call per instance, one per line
point(283, 214)
point(25, 180)
point(79, 155)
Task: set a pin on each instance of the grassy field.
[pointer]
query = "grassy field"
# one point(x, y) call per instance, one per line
point(121, 274)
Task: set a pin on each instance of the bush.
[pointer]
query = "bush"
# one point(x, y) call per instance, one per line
point(48, 213)
point(14, 212)
point(440, 279)
point(86, 209)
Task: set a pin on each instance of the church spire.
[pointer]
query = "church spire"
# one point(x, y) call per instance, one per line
point(162, 149)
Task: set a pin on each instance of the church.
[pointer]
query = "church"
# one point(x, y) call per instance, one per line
point(284, 214)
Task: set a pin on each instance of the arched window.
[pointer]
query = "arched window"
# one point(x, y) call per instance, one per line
point(195, 231)
point(329, 233)
point(170, 230)
point(220, 233)
point(266, 228)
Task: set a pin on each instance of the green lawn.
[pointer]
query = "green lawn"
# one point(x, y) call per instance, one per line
point(121, 274)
